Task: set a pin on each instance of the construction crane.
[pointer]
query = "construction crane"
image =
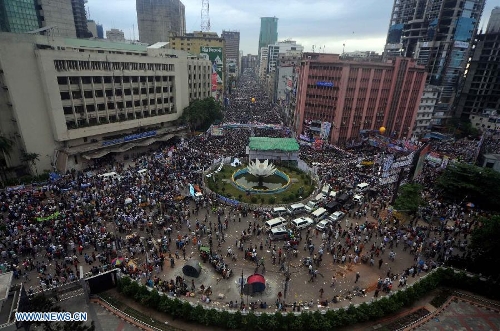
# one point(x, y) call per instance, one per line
point(205, 15)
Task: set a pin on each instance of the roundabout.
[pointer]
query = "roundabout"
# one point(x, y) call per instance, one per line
point(261, 178)
point(286, 185)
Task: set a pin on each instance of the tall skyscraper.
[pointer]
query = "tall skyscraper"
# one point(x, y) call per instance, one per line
point(481, 89)
point(232, 39)
point(158, 19)
point(58, 14)
point(438, 34)
point(18, 16)
point(66, 18)
point(268, 32)
point(80, 17)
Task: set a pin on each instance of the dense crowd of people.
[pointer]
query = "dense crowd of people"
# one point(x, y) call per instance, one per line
point(144, 218)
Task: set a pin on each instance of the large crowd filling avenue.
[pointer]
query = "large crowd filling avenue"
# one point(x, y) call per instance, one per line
point(142, 223)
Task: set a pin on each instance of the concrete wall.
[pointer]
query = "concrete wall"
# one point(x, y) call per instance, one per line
point(59, 13)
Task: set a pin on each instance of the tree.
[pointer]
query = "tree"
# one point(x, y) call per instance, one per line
point(42, 303)
point(484, 247)
point(409, 198)
point(30, 159)
point(200, 114)
point(467, 183)
point(6, 146)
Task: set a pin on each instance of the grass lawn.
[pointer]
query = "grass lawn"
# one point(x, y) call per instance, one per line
point(223, 186)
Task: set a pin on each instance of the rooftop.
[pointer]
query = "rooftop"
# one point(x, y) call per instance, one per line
point(86, 43)
point(273, 144)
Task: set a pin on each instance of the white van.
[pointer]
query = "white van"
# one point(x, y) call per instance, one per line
point(279, 234)
point(358, 198)
point(362, 187)
point(319, 214)
point(320, 197)
point(275, 223)
point(311, 206)
point(302, 223)
point(110, 176)
point(278, 211)
point(296, 209)
point(325, 189)
point(333, 194)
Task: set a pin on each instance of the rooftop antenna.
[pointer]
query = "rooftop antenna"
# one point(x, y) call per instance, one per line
point(313, 48)
point(205, 15)
point(343, 49)
point(133, 32)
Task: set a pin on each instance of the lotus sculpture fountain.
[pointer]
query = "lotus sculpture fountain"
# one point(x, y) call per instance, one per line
point(261, 169)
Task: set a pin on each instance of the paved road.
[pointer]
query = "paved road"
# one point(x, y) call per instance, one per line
point(299, 287)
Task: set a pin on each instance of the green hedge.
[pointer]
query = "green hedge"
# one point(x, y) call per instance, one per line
point(308, 320)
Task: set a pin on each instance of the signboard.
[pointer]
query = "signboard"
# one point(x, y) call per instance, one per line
point(461, 44)
point(215, 55)
point(129, 138)
point(325, 84)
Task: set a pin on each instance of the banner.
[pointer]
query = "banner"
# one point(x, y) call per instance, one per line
point(325, 130)
point(48, 218)
point(214, 55)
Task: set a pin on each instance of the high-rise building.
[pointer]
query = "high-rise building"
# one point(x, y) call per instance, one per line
point(268, 32)
point(100, 31)
point(232, 41)
point(159, 19)
point(264, 52)
point(280, 48)
point(58, 14)
point(494, 21)
point(211, 47)
point(63, 18)
point(115, 35)
point(92, 26)
point(481, 89)
point(425, 112)
point(18, 16)
point(438, 34)
point(249, 61)
point(84, 110)
point(80, 18)
point(353, 96)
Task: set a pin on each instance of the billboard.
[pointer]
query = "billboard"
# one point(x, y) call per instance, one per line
point(214, 55)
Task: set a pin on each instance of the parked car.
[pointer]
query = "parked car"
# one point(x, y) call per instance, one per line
point(302, 223)
point(337, 216)
point(311, 206)
point(323, 225)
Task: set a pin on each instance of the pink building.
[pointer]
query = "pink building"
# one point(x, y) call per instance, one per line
point(353, 96)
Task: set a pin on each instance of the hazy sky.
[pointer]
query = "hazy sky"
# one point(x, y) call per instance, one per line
point(359, 24)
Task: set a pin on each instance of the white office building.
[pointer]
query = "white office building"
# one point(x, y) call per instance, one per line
point(75, 100)
point(425, 111)
point(282, 47)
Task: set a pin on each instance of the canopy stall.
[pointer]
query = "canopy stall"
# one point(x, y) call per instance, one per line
point(192, 268)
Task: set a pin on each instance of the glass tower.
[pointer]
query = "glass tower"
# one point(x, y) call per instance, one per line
point(18, 16)
point(268, 32)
